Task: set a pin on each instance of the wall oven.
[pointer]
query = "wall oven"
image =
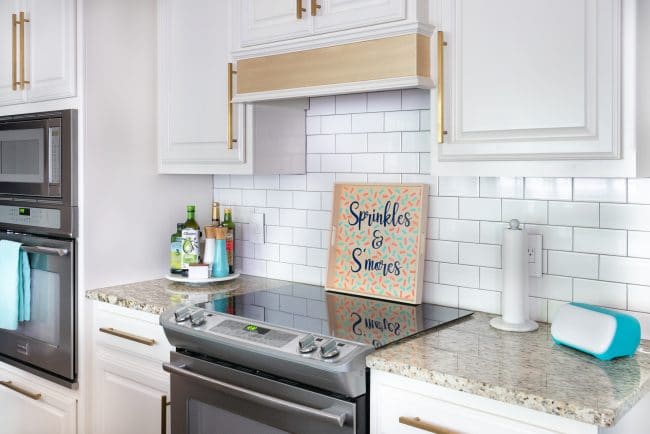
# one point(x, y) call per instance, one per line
point(38, 208)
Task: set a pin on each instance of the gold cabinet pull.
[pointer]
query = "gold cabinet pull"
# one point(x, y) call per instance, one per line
point(22, 22)
point(314, 7)
point(441, 86)
point(128, 336)
point(299, 9)
point(163, 414)
point(416, 422)
point(230, 74)
point(27, 393)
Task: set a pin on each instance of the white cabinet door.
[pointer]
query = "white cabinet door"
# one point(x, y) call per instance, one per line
point(193, 56)
point(263, 21)
point(336, 15)
point(50, 54)
point(128, 395)
point(34, 409)
point(531, 80)
point(7, 42)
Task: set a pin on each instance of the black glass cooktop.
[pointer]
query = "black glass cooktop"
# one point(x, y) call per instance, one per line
point(313, 309)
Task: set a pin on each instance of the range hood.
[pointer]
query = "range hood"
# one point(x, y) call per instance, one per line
point(394, 62)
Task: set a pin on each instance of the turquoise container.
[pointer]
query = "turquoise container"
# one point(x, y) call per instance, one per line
point(220, 264)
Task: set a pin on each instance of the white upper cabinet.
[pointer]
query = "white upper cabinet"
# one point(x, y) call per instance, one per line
point(269, 21)
point(334, 15)
point(38, 52)
point(535, 88)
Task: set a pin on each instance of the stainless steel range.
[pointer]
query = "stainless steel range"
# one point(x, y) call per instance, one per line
point(286, 359)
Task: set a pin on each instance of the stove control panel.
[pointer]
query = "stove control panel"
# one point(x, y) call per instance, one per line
point(37, 217)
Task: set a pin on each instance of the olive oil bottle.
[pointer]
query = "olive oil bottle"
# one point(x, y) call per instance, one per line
point(191, 237)
point(176, 251)
point(230, 238)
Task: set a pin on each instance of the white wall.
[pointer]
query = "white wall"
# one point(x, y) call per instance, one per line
point(130, 210)
point(596, 231)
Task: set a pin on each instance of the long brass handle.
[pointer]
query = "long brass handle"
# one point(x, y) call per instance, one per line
point(128, 336)
point(163, 414)
point(12, 386)
point(22, 22)
point(230, 74)
point(299, 9)
point(441, 86)
point(314, 7)
point(416, 422)
point(14, 55)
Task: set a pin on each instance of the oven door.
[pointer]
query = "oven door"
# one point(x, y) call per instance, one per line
point(30, 158)
point(45, 344)
point(209, 397)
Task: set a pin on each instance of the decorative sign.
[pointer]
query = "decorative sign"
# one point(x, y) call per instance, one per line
point(375, 322)
point(377, 244)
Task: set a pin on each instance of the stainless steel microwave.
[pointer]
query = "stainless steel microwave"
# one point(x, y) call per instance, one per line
point(38, 157)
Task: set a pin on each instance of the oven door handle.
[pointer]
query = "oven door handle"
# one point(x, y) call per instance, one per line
point(250, 395)
point(45, 250)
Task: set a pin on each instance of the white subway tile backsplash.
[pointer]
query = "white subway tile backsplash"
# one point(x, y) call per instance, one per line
point(460, 275)
point(367, 123)
point(486, 255)
point(479, 208)
point(548, 188)
point(458, 186)
point(508, 188)
point(413, 99)
point(600, 189)
point(638, 244)
point(459, 230)
point(351, 103)
point(402, 163)
point(573, 264)
point(635, 217)
point(402, 121)
point(385, 101)
point(605, 241)
point(573, 214)
point(606, 294)
point(589, 231)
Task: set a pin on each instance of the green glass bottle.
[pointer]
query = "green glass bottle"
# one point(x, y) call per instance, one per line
point(230, 238)
point(191, 237)
point(176, 251)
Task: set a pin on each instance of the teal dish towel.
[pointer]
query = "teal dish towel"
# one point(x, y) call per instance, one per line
point(15, 285)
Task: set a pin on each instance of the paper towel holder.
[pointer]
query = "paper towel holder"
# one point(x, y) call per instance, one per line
point(514, 297)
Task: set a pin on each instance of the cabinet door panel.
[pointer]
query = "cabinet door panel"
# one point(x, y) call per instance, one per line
point(336, 15)
point(51, 57)
point(193, 60)
point(7, 94)
point(265, 21)
point(531, 80)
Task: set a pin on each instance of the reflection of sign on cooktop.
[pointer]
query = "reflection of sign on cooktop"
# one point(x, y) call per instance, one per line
point(253, 333)
point(375, 322)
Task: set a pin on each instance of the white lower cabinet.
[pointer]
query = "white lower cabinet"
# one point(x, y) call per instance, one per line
point(130, 389)
point(29, 406)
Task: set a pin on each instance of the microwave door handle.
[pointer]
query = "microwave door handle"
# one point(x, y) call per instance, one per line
point(260, 398)
point(45, 250)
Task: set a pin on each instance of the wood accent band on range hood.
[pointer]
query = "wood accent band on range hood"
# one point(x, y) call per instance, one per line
point(378, 59)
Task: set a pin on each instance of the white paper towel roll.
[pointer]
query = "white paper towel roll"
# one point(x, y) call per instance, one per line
point(515, 310)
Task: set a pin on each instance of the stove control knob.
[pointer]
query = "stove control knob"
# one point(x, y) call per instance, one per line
point(307, 344)
point(197, 318)
point(328, 349)
point(182, 314)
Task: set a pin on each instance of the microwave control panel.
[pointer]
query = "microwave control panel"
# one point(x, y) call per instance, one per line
point(29, 216)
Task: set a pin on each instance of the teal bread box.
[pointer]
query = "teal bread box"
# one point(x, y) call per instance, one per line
point(603, 333)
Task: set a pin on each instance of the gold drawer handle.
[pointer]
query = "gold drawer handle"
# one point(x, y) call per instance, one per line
point(15, 22)
point(416, 422)
point(299, 9)
point(12, 386)
point(230, 74)
point(163, 414)
point(128, 336)
point(441, 84)
point(314, 7)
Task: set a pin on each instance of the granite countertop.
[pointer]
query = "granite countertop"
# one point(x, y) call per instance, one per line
point(525, 369)
point(154, 296)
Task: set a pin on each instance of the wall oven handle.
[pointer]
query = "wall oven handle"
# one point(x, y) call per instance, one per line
point(45, 250)
point(250, 395)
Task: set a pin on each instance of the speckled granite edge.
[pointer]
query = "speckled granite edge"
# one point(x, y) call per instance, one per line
point(124, 301)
